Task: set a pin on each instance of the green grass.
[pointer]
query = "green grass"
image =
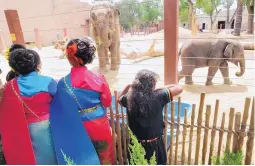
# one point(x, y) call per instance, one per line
point(228, 158)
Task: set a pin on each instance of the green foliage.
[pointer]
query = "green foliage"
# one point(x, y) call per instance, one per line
point(228, 158)
point(183, 11)
point(67, 159)
point(137, 152)
point(209, 7)
point(134, 12)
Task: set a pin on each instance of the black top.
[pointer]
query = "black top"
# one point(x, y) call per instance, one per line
point(146, 128)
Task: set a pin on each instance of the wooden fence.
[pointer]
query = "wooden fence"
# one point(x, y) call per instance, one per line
point(184, 149)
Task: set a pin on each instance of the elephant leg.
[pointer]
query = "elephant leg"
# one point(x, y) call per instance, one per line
point(107, 56)
point(102, 58)
point(225, 72)
point(187, 73)
point(113, 51)
point(118, 53)
point(211, 73)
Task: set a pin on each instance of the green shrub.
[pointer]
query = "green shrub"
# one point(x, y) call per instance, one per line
point(228, 158)
point(137, 152)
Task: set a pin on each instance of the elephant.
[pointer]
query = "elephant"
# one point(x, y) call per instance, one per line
point(212, 54)
point(105, 31)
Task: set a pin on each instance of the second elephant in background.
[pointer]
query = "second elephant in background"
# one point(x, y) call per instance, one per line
point(212, 54)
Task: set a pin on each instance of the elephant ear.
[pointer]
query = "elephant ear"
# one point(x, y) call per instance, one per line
point(116, 12)
point(229, 51)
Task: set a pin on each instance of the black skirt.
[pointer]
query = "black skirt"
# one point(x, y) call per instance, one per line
point(158, 147)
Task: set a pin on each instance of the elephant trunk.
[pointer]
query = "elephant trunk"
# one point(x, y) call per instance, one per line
point(242, 67)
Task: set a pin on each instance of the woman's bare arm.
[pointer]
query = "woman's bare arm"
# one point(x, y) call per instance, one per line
point(125, 90)
point(175, 90)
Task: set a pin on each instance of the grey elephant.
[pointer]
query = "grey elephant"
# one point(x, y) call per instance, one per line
point(212, 54)
point(106, 32)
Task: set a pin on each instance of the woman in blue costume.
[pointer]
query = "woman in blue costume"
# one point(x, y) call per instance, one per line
point(24, 112)
point(78, 116)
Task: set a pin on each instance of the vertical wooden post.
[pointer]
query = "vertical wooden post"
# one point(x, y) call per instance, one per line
point(244, 121)
point(191, 132)
point(15, 29)
point(166, 125)
point(2, 41)
point(37, 39)
point(199, 122)
point(120, 159)
point(184, 136)
point(221, 132)
point(124, 137)
point(177, 131)
point(213, 133)
point(171, 9)
point(230, 126)
point(65, 32)
point(207, 118)
point(237, 127)
point(170, 157)
point(250, 141)
point(113, 134)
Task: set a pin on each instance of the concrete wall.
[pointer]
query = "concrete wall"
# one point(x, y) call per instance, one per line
point(222, 16)
point(48, 17)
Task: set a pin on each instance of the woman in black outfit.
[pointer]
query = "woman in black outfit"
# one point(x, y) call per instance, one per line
point(144, 106)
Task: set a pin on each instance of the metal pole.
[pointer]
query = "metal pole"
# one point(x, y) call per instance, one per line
point(171, 8)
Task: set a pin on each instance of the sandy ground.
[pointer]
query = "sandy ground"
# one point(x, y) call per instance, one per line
point(229, 96)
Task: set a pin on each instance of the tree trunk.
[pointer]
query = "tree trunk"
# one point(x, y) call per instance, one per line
point(238, 21)
point(227, 21)
point(211, 19)
point(250, 19)
point(190, 13)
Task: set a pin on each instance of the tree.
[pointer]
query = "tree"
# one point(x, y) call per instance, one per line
point(152, 10)
point(211, 8)
point(129, 12)
point(238, 21)
point(183, 12)
point(190, 13)
point(227, 4)
point(250, 8)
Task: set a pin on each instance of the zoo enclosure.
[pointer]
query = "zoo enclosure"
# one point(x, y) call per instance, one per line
point(239, 133)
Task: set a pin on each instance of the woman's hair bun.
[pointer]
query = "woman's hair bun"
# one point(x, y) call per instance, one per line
point(85, 49)
point(16, 46)
point(23, 61)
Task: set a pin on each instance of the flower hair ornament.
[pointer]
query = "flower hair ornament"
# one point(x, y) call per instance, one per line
point(71, 51)
point(7, 57)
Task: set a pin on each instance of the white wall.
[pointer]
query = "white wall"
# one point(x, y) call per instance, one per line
point(45, 15)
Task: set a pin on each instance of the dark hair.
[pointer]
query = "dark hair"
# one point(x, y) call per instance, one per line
point(16, 46)
point(24, 61)
point(141, 92)
point(11, 74)
point(85, 49)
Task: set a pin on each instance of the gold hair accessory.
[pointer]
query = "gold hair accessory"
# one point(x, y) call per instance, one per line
point(7, 56)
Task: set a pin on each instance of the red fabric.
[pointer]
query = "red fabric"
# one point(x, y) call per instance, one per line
point(40, 104)
point(15, 135)
point(14, 130)
point(82, 78)
point(74, 60)
point(99, 130)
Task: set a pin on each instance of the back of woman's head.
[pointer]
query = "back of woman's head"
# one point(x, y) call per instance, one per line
point(81, 51)
point(16, 46)
point(24, 61)
point(141, 92)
